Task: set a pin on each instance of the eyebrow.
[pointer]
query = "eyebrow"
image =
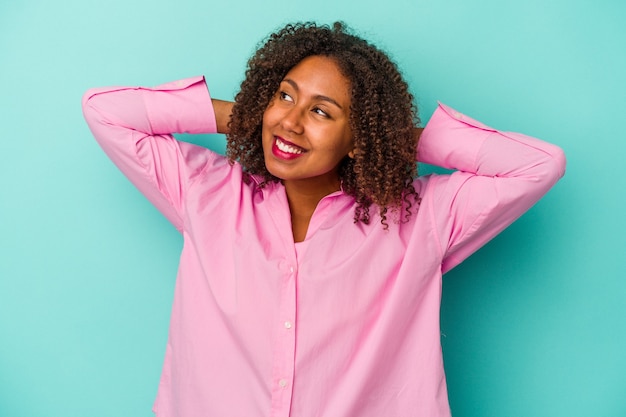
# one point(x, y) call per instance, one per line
point(317, 97)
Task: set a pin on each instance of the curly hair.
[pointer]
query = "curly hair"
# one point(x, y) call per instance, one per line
point(382, 115)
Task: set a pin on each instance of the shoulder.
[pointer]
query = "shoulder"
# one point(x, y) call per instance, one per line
point(219, 174)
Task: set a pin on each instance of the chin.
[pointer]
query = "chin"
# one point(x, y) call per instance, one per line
point(273, 172)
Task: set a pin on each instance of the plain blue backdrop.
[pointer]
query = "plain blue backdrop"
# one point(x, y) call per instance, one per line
point(534, 324)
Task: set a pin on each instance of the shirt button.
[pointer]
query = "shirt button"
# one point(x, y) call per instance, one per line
point(288, 325)
point(291, 269)
point(282, 383)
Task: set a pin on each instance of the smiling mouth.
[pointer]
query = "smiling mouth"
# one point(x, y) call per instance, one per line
point(284, 146)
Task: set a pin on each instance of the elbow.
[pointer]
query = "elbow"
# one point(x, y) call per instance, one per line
point(86, 96)
point(558, 163)
point(88, 109)
point(551, 169)
point(562, 161)
point(93, 114)
point(95, 108)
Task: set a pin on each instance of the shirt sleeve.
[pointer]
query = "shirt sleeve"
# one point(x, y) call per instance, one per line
point(134, 126)
point(499, 176)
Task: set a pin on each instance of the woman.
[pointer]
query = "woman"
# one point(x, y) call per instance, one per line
point(309, 282)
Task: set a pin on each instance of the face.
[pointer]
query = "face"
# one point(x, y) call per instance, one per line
point(306, 126)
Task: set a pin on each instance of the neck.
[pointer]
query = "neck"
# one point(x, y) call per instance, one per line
point(303, 198)
point(304, 195)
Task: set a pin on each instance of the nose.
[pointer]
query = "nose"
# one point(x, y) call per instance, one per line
point(292, 120)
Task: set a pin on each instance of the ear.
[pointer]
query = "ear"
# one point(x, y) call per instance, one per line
point(352, 153)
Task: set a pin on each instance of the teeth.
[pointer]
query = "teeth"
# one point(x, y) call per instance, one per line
point(287, 148)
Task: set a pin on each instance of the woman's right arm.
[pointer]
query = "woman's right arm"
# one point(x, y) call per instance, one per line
point(223, 110)
point(134, 126)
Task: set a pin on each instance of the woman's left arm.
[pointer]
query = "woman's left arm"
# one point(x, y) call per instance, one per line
point(499, 176)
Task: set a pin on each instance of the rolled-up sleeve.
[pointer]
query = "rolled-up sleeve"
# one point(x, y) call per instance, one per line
point(499, 176)
point(134, 126)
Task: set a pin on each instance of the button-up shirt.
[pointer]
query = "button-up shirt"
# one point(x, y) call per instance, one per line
point(342, 324)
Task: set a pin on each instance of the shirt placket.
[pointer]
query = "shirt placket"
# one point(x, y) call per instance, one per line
point(285, 343)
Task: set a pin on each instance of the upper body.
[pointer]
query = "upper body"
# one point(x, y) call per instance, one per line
point(313, 314)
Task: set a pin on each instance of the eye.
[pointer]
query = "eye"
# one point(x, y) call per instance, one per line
point(284, 96)
point(320, 112)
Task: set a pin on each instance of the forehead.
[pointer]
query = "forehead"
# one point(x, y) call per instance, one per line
point(320, 75)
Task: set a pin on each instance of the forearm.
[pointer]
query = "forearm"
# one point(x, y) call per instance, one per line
point(417, 132)
point(455, 141)
point(179, 107)
point(223, 110)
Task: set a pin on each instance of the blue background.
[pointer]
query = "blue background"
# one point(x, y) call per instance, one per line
point(534, 324)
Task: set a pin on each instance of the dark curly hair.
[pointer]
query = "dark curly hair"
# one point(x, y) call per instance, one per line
point(382, 115)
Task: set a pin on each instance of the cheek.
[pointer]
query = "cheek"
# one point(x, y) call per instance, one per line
point(265, 120)
point(270, 115)
point(347, 141)
point(266, 126)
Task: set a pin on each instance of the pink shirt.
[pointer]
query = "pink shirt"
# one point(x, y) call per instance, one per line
point(343, 324)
